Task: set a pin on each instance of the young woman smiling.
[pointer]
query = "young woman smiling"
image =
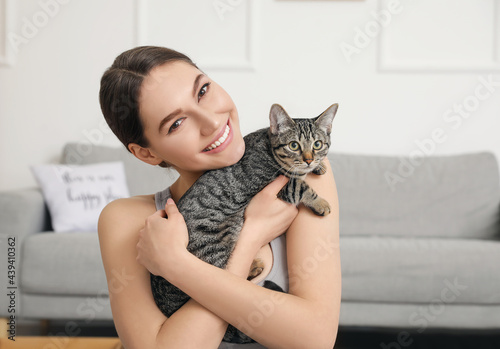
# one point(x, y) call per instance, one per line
point(169, 113)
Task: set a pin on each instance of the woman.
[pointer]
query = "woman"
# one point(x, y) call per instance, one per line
point(167, 112)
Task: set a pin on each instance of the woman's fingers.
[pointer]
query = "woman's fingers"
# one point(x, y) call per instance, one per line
point(275, 186)
point(160, 213)
point(171, 208)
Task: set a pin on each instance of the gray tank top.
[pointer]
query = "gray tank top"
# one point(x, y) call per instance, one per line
point(278, 273)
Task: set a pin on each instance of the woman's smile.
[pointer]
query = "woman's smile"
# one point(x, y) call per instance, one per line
point(221, 141)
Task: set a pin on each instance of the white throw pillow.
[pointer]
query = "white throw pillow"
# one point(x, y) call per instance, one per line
point(76, 194)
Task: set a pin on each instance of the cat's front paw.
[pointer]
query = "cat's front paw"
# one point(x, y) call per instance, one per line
point(321, 207)
point(320, 170)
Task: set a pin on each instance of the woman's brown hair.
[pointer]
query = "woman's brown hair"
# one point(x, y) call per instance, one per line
point(120, 88)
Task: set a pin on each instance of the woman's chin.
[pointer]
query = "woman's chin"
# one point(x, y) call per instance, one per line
point(234, 155)
point(240, 150)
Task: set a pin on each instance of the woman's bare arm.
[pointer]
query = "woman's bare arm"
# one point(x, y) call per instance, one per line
point(139, 322)
point(307, 317)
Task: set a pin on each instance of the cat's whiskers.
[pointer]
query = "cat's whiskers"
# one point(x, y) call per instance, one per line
point(292, 172)
point(287, 172)
point(279, 168)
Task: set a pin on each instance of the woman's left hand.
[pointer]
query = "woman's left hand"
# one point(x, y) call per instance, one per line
point(163, 237)
point(267, 217)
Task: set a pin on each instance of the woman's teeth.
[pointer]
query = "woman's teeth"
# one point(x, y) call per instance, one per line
point(220, 140)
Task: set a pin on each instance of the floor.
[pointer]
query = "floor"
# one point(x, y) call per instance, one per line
point(348, 338)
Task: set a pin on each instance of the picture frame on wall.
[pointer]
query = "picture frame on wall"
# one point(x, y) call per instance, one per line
point(7, 53)
point(236, 23)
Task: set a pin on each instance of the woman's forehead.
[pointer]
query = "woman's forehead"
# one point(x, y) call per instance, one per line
point(177, 71)
point(165, 87)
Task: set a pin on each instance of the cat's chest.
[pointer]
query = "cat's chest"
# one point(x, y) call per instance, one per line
point(266, 255)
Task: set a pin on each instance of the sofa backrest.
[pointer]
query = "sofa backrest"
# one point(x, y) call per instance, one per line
point(142, 178)
point(436, 196)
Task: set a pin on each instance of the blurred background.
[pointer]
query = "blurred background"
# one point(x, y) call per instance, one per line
point(412, 78)
point(398, 69)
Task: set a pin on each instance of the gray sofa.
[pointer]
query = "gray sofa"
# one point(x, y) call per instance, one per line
point(420, 243)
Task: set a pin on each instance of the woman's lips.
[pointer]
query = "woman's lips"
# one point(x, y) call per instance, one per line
point(221, 141)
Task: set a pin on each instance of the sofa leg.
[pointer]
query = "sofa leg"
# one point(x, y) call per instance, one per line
point(44, 327)
point(3, 327)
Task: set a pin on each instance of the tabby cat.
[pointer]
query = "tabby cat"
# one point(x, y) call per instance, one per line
point(214, 206)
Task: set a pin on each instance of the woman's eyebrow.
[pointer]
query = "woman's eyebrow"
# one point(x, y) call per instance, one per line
point(196, 82)
point(167, 118)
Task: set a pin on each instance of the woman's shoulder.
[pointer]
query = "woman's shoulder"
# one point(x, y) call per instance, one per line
point(136, 204)
point(126, 212)
point(118, 229)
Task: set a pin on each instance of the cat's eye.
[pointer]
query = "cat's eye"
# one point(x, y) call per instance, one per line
point(317, 145)
point(294, 146)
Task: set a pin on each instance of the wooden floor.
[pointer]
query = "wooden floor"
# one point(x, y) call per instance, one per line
point(103, 336)
point(22, 342)
point(52, 335)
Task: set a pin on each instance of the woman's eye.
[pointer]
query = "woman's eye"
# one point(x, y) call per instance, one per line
point(175, 125)
point(293, 146)
point(318, 145)
point(203, 90)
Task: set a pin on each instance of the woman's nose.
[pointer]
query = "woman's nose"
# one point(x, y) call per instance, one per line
point(210, 123)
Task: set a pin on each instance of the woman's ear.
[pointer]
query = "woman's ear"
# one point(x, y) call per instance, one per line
point(144, 154)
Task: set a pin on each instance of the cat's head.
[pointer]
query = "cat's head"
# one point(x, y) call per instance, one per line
point(299, 145)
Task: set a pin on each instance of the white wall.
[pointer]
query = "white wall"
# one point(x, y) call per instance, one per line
point(393, 93)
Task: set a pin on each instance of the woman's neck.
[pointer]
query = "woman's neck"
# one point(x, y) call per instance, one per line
point(183, 183)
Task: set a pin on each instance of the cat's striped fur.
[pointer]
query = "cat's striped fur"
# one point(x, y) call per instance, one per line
point(214, 206)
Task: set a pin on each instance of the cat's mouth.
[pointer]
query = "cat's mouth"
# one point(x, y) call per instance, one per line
point(221, 140)
point(299, 168)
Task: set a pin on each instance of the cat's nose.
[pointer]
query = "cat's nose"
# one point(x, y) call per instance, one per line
point(307, 156)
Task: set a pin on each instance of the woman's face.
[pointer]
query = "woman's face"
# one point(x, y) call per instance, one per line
point(190, 122)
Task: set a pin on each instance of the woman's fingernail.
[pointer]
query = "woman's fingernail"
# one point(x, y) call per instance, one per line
point(170, 201)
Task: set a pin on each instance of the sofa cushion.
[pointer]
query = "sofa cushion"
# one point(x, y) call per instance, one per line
point(63, 264)
point(420, 270)
point(142, 178)
point(437, 196)
point(76, 194)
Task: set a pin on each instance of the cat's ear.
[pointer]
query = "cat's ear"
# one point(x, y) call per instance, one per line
point(280, 121)
point(325, 119)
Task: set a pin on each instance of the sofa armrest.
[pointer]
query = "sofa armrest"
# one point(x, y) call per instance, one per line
point(23, 212)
